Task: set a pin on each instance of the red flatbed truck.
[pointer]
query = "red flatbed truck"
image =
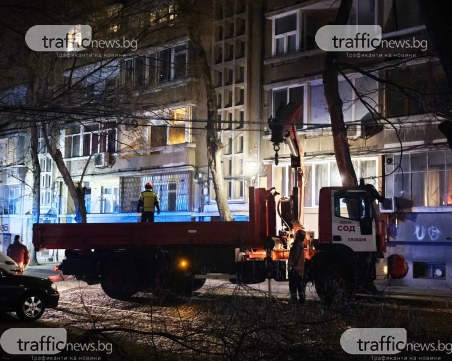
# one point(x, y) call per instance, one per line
point(129, 257)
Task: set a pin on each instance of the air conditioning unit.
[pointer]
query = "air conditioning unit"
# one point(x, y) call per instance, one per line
point(101, 160)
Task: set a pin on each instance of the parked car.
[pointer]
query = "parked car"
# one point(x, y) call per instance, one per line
point(28, 296)
point(8, 264)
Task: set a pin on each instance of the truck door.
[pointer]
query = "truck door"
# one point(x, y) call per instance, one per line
point(353, 221)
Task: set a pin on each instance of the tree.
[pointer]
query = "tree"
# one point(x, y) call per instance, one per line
point(198, 25)
point(334, 101)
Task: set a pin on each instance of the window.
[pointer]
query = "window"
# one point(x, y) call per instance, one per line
point(140, 72)
point(362, 12)
point(109, 200)
point(129, 71)
point(353, 109)
point(180, 61)
point(326, 174)
point(354, 206)
point(410, 100)
point(285, 34)
point(158, 135)
point(11, 199)
point(163, 14)
point(172, 190)
point(425, 178)
point(46, 181)
point(72, 142)
point(283, 96)
point(399, 14)
point(233, 165)
point(12, 150)
point(90, 139)
point(164, 66)
point(177, 126)
point(168, 64)
point(173, 127)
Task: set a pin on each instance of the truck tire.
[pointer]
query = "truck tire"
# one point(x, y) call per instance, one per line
point(120, 283)
point(334, 284)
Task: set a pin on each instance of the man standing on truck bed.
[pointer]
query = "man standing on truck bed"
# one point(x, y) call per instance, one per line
point(148, 203)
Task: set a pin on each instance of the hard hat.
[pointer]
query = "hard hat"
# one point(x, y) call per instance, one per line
point(148, 185)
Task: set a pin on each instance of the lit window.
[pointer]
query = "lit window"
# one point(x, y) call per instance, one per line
point(326, 174)
point(90, 139)
point(177, 126)
point(46, 165)
point(233, 164)
point(426, 178)
point(11, 199)
point(109, 200)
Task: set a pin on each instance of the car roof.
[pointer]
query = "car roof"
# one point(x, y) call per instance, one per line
point(4, 257)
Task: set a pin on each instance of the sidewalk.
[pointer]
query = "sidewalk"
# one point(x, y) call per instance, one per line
point(442, 294)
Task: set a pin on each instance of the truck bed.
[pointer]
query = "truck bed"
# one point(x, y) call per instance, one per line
point(135, 235)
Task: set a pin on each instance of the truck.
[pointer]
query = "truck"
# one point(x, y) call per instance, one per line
point(126, 258)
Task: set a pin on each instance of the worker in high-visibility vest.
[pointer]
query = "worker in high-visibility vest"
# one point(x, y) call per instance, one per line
point(148, 203)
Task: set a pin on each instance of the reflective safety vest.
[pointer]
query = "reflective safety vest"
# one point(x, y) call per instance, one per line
point(149, 199)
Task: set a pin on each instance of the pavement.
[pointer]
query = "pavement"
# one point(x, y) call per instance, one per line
point(278, 289)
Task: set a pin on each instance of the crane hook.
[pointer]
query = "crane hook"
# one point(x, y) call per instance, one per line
point(276, 149)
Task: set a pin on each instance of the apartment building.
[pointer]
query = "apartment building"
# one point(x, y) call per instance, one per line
point(149, 128)
point(236, 70)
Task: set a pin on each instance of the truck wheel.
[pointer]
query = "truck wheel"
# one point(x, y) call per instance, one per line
point(119, 282)
point(334, 284)
point(31, 307)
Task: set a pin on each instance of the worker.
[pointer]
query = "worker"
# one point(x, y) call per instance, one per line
point(148, 203)
point(297, 283)
point(19, 253)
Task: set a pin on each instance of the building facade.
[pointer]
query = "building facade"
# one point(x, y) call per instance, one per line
point(262, 55)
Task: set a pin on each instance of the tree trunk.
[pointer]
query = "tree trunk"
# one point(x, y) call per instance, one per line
point(36, 188)
point(34, 151)
point(334, 101)
point(212, 129)
point(75, 190)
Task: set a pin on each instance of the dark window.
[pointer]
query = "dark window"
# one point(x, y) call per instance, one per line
point(164, 65)
point(180, 61)
point(158, 135)
point(286, 24)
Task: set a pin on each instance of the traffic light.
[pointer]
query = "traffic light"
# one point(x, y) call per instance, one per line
point(446, 128)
